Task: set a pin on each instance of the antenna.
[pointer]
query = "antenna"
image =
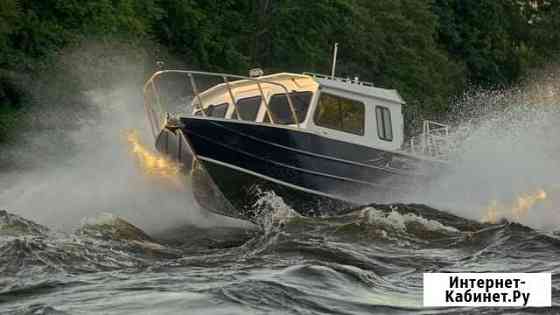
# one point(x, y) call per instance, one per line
point(334, 60)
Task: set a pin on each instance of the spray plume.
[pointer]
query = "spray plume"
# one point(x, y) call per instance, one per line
point(505, 150)
point(95, 169)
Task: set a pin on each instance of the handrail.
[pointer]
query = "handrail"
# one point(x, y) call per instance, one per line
point(151, 117)
point(265, 102)
point(151, 82)
point(346, 80)
point(433, 136)
point(233, 101)
point(197, 95)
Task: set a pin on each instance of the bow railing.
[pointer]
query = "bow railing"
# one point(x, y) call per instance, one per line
point(159, 108)
point(434, 141)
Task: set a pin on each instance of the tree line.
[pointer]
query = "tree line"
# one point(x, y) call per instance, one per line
point(430, 50)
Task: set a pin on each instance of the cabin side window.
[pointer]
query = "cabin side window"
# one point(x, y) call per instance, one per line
point(218, 111)
point(384, 126)
point(280, 108)
point(340, 113)
point(248, 108)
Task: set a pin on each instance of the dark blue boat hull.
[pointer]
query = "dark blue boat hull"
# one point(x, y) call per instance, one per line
point(314, 175)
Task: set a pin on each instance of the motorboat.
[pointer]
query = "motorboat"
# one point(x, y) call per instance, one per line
point(321, 143)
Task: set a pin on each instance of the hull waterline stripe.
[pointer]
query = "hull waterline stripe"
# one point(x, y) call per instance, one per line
point(274, 180)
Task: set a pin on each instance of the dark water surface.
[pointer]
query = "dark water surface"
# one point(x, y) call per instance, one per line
point(369, 261)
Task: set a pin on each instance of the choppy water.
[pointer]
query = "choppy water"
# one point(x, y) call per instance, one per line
point(367, 261)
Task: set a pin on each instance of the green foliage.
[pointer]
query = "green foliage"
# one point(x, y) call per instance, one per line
point(544, 36)
point(206, 34)
point(395, 47)
point(498, 39)
point(12, 98)
point(8, 121)
point(9, 13)
point(427, 49)
point(35, 31)
point(298, 35)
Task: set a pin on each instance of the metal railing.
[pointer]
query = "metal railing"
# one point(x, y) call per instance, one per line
point(158, 116)
point(432, 142)
point(345, 80)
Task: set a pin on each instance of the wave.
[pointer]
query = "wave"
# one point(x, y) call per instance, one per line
point(14, 225)
point(367, 260)
point(33, 252)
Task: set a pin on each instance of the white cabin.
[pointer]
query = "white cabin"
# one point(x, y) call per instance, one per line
point(337, 108)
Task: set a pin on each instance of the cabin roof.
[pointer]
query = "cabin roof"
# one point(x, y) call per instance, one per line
point(277, 77)
point(359, 88)
point(347, 85)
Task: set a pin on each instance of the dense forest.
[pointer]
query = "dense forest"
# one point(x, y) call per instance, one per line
point(430, 50)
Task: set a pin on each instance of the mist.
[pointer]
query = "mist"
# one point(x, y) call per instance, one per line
point(506, 155)
point(69, 174)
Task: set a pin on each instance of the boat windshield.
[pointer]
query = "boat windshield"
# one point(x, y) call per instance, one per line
point(218, 111)
point(280, 108)
point(281, 98)
point(247, 108)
